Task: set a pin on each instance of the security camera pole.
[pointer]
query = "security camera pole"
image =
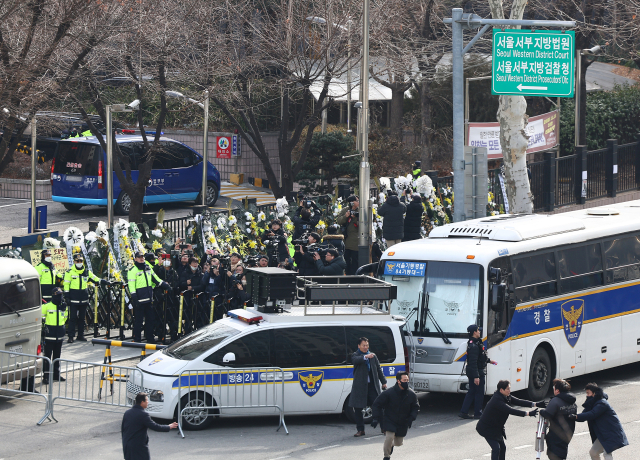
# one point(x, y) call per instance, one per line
point(34, 221)
point(115, 108)
point(579, 53)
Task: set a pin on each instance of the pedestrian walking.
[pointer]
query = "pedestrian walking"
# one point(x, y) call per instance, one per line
point(393, 223)
point(561, 425)
point(136, 421)
point(413, 219)
point(54, 314)
point(495, 415)
point(77, 295)
point(368, 382)
point(475, 369)
point(605, 428)
point(396, 409)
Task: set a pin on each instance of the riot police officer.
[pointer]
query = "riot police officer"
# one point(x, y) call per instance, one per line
point(49, 276)
point(77, 295)
point(476, 364)
point(54, 314)
point(142, 279)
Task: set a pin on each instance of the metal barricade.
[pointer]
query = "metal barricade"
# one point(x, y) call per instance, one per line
point(84, 382)
point(19, 372)
point(234, 390)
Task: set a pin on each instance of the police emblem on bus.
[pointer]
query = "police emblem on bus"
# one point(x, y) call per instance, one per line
point(572, 318)
point(310, 381)
point(420, 340)
point(390, 267)
point(157, 360)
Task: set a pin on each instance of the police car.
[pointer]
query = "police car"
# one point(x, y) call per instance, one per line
point(312, 351)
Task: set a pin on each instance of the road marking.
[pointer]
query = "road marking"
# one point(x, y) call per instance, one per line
point(430, 424)
point(523, 447)
point(581, 434)
point(375, 436)
point(328, 447)
point(59, 223)
point(24, 202)
point(279, 458)
point(487, 455)
point(635, 421)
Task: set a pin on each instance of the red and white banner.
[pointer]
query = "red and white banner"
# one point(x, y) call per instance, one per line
point(543, 131)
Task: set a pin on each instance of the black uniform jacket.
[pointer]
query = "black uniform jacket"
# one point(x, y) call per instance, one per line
point(495, 415)
point(400, 409)
point(135, 441)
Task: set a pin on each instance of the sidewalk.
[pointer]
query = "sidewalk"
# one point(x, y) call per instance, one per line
point(263, 196)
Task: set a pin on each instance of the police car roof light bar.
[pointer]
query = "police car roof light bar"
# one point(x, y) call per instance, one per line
point(245, 316)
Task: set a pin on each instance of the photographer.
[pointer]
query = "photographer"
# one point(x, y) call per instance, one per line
point(183, 264)
point(305, 260)
point(348, 219)
point(213, 283)
point(165, 271)
point(303, 220)
point(237, 295)
point(335, 263)
point(276, 242)
point(334, 239)
point(191, 277)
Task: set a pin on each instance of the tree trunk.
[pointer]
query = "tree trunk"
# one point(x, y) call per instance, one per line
point(135, 212)
point(426, 156)
point(513, 139)
point(397, 112)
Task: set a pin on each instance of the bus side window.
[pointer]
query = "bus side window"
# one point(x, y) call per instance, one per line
point(580, 267)
point(498, 322)
point(622, 259)
point(534, 277)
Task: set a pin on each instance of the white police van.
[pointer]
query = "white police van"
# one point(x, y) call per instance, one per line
point(312, 351)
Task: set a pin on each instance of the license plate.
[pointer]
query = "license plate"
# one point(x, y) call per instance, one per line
point(16, 349)
point(421, 384)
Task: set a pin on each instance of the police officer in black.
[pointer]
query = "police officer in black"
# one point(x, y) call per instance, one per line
point(476, 365)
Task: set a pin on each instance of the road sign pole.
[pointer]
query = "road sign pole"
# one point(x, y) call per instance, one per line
point(458, 117)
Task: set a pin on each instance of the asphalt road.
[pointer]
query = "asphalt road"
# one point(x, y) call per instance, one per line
point(14, 214)
point(436, 434)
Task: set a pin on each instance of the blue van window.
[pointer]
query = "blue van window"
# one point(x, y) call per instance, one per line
point(77, 159)
point(135, 152)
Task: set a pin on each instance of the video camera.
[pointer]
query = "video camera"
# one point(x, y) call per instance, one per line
point(251, 261)
point(317, 247)
point(225, 262)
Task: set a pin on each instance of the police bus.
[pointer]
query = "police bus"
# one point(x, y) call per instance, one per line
point(20, 324)
point(555, 295)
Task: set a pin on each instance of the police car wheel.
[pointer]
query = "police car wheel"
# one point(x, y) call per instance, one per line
point(212, 194)
point(73, 207)
point(195, 418)
point(123, 204)
point(539, 375)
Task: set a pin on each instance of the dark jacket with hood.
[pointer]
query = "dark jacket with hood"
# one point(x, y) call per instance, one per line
point(495, 415)
point(561, 427)
point(334, 268)
point(337, 241)
point(306, 264)
point(396, 409)
point(393, 224)
point(604, 423)
point(413, 221)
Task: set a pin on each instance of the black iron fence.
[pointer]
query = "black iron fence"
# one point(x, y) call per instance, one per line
point(577, 178)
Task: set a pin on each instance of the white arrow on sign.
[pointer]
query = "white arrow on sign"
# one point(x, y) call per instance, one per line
point(539, 88)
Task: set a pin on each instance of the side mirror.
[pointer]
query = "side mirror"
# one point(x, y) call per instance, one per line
point(495, 275)
point(497, 294)
point(229, 358)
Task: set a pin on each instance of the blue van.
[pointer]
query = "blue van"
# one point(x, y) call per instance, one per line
point(79, 168)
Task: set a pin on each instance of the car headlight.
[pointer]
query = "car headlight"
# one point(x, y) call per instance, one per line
point(156, 396)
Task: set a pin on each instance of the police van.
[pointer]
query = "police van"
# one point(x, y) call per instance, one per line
point(313, 352)
point(20, 324)
point(78, 174)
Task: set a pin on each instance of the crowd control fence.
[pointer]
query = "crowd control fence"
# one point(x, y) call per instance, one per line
point(220, 392)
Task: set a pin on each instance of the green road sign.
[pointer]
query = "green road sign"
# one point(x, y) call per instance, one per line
point(533, 63)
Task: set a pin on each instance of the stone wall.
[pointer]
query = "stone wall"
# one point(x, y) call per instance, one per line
point(21, 188)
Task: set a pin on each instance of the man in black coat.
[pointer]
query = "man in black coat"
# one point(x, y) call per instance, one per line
point(561, 425)
point(606, 430)
point(368, 382)
point(335, 263)
point(275, 239)
point(304, 259)
point(393, 224)
point(495, 415)
point(135, 441)
point(303, 221)
point(413, 219)
point(397, 408)
point(476, 364)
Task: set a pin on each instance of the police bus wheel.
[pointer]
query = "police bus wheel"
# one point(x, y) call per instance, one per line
point(212, 194)
point(351, 416)
point(195, 417)
point(123, 204)
point(73, 207)
point(539, 375)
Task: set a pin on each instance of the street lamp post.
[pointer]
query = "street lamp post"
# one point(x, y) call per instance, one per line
point(205, 158)
point(109, 109)
point(34, 222)
point(364, 220)
point(578, 91)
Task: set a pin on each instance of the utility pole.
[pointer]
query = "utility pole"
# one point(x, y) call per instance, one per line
point(364, 220)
